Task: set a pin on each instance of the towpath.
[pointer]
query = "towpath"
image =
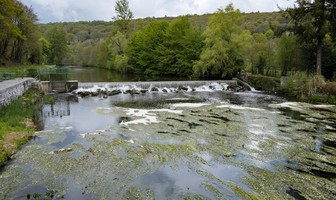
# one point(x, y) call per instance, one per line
point(5, 85)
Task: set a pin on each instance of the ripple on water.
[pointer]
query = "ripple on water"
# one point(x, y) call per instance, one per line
point(199, 150)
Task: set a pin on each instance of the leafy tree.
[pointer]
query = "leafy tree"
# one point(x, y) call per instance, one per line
point(117, 57)
point(45, 50)
point(8, 29)
point(181, 48)
point(102, 54)
point(311, 22)
point(142, 48)
point(57, 38)
point(221, 56)
point(124, 15)
point(18, 32)
point(287, 54)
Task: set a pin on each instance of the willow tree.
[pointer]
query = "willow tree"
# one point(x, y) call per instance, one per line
point(312, 21)
point(221, 56)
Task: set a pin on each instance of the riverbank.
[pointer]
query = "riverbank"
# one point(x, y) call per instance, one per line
point(24, 70)
point(298, 87)
point(16, 123)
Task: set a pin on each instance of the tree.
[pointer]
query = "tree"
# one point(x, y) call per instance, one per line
point(58, 45)
point(19, 36)
point(124, 15)
point(287, 54)
point(142, 48)
point(222, 56)
point(181, 48)
point(311, 22)
point(102, 54)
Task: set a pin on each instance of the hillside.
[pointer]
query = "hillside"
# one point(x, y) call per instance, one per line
point(96, 30)
point(84, 37)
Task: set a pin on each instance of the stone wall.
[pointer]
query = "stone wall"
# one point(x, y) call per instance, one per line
point(12, 89)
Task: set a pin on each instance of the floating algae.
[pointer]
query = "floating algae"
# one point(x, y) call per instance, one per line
point(232, 146)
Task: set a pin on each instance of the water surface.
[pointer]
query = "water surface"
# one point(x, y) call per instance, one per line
point(225, 145)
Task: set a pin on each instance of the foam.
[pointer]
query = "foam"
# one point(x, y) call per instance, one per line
point(146, 116)
point(189, 105)
point(237, 107)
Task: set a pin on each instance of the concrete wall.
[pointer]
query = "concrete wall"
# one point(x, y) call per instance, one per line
point(58, 86)
point(12, 89)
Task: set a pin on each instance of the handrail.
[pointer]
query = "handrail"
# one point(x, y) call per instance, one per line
point(53, 71)
point(7, 75)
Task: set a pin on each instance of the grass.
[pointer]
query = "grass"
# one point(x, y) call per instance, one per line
point(24, 70)
point(16, 123)
point(311, 89)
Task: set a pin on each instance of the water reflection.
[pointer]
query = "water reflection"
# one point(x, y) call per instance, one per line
point(232, 145)
point(93, 74)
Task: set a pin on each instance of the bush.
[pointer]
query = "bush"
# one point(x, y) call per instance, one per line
point(264, 82)
point(329, 88)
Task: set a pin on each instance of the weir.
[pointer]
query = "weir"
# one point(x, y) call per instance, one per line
point(158, 84)
point(12, 89)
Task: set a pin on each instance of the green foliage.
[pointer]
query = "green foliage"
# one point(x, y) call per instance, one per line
point(12, 119)
point(312, 20)
point(57, 38)
point(102, 54)
point(181, 48)
point(161, 48)
point(18, 33)
point(124, 15)
point(300, 85)
point(221, 56)
point(121, 64)
point(264, 82)
point(142, 48)
point(261, 64)
point(287, 54)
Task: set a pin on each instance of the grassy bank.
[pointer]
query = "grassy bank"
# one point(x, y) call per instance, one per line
point(298, 86)
point(16, 123)
point(24, 70)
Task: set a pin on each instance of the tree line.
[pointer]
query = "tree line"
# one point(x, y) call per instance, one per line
point(19, 35)
point(219, 45)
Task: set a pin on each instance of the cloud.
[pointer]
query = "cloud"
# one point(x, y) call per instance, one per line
point(89, 10)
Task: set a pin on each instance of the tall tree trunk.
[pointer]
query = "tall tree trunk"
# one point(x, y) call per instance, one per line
point(319, 58)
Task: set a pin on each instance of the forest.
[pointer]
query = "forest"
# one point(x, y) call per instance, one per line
point(218, 45)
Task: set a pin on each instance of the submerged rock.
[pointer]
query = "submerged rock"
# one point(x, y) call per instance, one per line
point(94, 94)
point(132, 92)
point(114, 92)
point(83, 94)
point(154, 89)
point(182, 88)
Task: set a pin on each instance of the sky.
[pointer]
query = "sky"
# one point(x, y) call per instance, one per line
point(90, 10)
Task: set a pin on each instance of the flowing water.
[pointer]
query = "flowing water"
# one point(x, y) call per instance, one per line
point(207, 144)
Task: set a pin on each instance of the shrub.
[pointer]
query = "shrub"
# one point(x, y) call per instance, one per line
point(329, 88)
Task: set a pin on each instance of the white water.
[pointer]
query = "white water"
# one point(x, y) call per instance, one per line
point(162, 87)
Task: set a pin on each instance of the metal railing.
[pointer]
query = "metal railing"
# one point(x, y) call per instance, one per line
point(7, 75)
point(53, 74)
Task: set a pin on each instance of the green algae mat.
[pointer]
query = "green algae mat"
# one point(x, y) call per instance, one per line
point(196, 145)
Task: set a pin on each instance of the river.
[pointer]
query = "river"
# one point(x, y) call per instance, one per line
point(201, 144)
point(92, 74)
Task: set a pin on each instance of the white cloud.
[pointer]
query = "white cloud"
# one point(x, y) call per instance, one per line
point(88, 10)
